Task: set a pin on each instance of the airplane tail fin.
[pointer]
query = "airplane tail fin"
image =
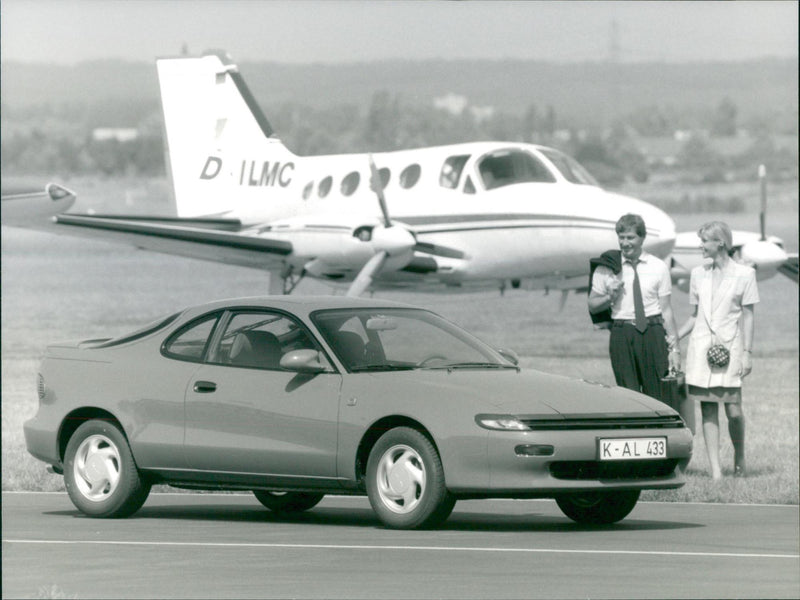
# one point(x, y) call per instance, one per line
point(213, 129)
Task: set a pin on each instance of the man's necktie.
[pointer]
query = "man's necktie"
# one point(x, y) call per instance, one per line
point(640, 320)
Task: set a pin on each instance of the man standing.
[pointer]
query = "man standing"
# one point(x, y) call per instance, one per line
point(641, 311)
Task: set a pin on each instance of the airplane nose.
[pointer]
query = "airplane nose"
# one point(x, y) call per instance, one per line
point(660, 230)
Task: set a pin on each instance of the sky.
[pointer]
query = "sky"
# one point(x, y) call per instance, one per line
point(340, 31)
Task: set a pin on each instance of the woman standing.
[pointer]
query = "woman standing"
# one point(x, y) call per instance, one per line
point(723, 293)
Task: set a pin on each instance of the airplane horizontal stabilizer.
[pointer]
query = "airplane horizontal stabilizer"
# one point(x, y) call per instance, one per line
point(30, 209)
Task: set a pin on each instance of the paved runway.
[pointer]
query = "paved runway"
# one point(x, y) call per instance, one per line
point(228, 546)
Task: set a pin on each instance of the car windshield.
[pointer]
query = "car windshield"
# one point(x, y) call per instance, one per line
point(390, 339)
point(570, 168)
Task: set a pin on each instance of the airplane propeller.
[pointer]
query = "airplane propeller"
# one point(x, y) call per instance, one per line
point(394, 244)
point(762, 216)
point(767, 253)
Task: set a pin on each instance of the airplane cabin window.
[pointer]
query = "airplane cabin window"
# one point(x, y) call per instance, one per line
point(307, 190)
point(512, 166)
point(350, 183)
point(570, 168)
point(410, 176)
point(325, 186)
point(385, 174)
point(451, 171)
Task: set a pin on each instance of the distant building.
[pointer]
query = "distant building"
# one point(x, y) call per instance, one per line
point(481, 113)
point(119, 134)
point(452, 103)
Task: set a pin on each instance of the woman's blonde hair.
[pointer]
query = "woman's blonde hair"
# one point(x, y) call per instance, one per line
point(718, 230)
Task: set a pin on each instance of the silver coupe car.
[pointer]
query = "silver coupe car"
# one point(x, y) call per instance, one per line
point(294, 398)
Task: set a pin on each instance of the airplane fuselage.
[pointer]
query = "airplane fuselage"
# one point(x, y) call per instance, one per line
point(543, 231)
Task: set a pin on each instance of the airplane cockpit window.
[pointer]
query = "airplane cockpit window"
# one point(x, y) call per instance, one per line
point(350, 183)
point(307, 190)
point(451, 171)
point(570, 168)
point(507, 167)
point(469, 187)
point(325, 186)
point(410, 176)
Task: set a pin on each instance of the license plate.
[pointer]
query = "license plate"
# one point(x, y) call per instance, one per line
point(632, 448)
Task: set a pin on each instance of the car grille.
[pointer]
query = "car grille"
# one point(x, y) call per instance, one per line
point(631, 469)
point(575, 423)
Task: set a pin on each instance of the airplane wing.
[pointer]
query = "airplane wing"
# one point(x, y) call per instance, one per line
point(218, 240)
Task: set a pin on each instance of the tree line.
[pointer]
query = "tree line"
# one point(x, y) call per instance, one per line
point(59, 139)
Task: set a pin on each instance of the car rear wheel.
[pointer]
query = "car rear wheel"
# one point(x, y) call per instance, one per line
point(288, 502)
point(100, 474)
point(405, 481)
point(598, 508)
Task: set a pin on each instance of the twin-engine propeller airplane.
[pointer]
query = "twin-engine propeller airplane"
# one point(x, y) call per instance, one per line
point(463, 217)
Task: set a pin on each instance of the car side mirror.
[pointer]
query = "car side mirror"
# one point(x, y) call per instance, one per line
point(303, 361)
point(509, 355)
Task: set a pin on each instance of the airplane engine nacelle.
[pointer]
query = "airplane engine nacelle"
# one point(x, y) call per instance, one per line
point(766, 255)
point(324, 253)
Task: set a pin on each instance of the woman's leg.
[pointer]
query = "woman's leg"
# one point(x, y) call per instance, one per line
point(711, 434)
point(736, 429)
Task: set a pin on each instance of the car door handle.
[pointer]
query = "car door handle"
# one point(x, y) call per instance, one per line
point(205, 387)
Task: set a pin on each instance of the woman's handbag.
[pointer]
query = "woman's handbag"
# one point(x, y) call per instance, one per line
point(718, 356)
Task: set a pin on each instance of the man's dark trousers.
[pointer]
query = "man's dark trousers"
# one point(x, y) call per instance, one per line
point(639, 360)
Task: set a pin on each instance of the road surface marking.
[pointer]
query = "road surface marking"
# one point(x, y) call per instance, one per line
point(378, 547)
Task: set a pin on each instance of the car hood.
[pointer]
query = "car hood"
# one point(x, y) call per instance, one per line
point(526, 392)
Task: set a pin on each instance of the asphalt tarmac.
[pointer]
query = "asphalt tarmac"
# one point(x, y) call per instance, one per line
point(228, 546)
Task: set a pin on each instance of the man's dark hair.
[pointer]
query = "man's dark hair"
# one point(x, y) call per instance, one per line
point(631, 221)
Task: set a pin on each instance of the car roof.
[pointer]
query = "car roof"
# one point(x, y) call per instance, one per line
point(299, 305)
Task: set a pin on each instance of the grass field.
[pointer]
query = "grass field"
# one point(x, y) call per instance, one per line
point(56, 288)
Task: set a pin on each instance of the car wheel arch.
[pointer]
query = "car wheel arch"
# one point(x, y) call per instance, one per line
point(376, 430)
point(76, 418)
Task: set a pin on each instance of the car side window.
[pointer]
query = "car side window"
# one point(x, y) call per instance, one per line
point(258, 339)
point(190, 342)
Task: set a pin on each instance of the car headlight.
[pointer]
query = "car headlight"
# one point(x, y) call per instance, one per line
point(500, 422)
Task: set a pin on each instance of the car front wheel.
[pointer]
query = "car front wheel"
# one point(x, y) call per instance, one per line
point(100, 474)
point(288, 502)
point(598, 508)
point(405, 481)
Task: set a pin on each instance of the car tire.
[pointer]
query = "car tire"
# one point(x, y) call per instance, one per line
point(598, 508)
point(288, 502)
point(405, 481)
point(100, 475)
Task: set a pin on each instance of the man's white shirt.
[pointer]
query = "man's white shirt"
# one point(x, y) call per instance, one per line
point(654, 279)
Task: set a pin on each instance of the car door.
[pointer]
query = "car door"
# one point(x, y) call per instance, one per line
point(246, 415)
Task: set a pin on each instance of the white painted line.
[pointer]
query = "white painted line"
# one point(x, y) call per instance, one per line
point(401, 548)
